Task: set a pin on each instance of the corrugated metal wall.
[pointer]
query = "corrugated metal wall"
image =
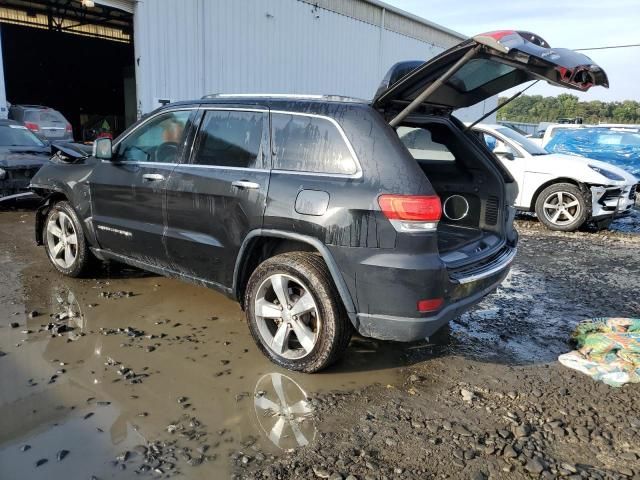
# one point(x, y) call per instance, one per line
point(191, 48)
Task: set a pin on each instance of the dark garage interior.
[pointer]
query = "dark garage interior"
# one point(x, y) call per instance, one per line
point(70, 64)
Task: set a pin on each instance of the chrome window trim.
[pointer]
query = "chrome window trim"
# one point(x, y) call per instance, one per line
point(222, 167)
point(356, 175)
point(236, 109)
point(318, 174)
point(131, 162)
point(354, 157)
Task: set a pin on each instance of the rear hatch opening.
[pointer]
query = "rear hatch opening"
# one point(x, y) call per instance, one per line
point(473, 187)
point(471, 190)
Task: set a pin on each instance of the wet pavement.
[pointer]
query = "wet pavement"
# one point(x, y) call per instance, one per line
point(132, 373)
point(177, 339)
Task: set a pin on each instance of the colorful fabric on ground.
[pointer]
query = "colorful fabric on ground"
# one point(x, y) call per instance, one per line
point(608, 350)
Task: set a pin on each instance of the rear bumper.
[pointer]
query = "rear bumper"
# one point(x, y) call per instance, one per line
point(466, 289)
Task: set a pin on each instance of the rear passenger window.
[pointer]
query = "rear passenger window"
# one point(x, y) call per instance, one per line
point(310, 144)
point(419, 143)
point(230, 139)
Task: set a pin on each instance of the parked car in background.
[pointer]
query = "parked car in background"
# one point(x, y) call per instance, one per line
point(619, 145)
point(563, 190)
point(22, 154)
point(44, 121)
point(319, 214)
point(542, 137)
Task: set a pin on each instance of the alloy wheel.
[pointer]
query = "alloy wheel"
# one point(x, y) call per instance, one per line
point(287, 316)
point(62, 240)
point(562, 208)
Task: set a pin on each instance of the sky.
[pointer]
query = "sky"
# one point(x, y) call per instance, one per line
point(562, 23)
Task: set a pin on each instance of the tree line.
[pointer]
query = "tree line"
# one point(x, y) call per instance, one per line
point(536, 108)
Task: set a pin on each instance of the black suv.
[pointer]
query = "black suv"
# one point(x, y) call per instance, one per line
point(319, 214)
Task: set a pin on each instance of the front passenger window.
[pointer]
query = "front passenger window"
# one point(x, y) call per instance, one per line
point(160, 140)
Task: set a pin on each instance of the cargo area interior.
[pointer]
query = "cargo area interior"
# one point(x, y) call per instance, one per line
point(470, 189)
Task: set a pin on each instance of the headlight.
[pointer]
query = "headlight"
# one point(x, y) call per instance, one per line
point(606, 173)
point(3, 173)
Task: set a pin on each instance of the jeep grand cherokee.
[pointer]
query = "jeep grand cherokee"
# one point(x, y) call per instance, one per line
point(319, 214)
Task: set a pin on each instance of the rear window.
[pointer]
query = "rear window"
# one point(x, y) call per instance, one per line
point(310, 144)
point(419, 143)
point(43, 116)
point(478, 72)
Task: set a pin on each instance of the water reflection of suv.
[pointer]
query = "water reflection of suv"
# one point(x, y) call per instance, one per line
point(311, 211)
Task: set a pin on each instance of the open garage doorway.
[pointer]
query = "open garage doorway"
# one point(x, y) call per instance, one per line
point(76, 57)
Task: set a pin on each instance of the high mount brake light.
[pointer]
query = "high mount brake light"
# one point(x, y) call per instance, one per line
point(499, 34)
point(409, 213)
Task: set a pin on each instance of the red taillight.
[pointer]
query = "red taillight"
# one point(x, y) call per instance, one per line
point(430, 305)
point(32, 126)
point(69, 128)
point(411, 208)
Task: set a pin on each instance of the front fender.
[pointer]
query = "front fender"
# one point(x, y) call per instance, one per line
point(57, 181)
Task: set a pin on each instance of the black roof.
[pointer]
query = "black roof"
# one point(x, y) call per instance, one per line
point(295, 103)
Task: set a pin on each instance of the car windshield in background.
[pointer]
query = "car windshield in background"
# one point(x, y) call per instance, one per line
point(18, 136)
point(618, 146)
point(531, 147)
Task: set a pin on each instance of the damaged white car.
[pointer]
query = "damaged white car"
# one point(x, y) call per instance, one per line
point(564, 191)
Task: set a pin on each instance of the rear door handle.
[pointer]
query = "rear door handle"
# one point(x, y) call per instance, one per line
point(244, 184)
point(153, 177)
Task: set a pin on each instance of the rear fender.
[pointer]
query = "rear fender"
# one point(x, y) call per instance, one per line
point(334, 270)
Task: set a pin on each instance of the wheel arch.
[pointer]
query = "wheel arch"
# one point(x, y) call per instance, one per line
point(261, 244)
point(51, 199)
point(548, 183)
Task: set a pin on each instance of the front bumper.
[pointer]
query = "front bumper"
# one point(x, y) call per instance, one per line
point(612, 200)
point(470, 287)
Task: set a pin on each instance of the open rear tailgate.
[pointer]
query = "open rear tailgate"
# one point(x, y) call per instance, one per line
point(500, 60)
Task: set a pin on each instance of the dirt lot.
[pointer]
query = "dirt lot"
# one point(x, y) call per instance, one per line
point(142, 376)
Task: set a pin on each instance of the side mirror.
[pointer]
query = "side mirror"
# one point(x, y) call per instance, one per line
point(504, 152)
point(102, 148)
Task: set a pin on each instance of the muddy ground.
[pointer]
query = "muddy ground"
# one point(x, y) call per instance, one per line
point(131, 375)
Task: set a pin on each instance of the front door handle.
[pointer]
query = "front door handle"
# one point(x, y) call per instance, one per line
point(244, 184)
point(153, 177)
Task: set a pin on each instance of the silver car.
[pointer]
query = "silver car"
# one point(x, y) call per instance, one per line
point(43, 121)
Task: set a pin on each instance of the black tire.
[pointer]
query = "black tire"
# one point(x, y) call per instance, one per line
point(84, 259)
point(334, 330)
point(569, 219)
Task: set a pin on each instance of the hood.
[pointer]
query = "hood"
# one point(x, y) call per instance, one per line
point(484, 66)
point(629, 179)
point(24, 159)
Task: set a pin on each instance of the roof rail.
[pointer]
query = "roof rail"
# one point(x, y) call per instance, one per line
point(340, 98)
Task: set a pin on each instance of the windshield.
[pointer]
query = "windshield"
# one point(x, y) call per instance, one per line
point(18, 136)
point(531, 147)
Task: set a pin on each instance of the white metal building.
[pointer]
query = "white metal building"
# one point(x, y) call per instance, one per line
point(184, 49)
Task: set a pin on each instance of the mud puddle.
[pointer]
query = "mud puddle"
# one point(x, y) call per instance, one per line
point(132, 373)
